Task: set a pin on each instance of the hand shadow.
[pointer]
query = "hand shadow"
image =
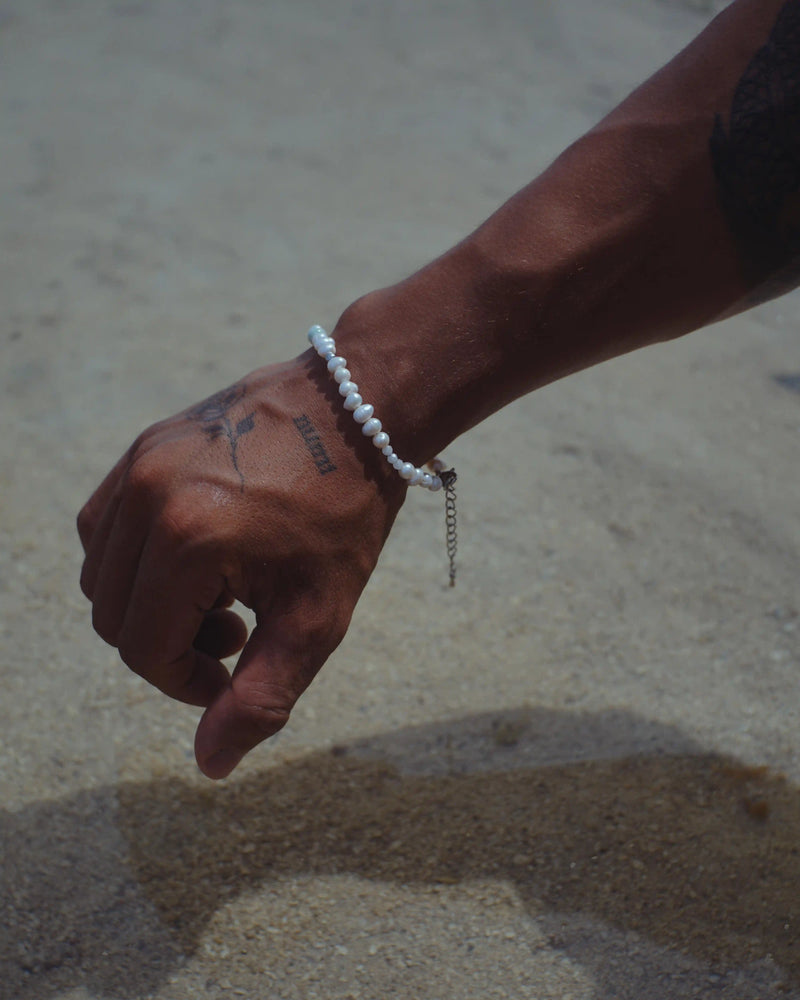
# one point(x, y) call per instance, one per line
point(604, 816)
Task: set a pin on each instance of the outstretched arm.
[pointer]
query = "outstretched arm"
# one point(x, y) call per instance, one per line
point(680, 208)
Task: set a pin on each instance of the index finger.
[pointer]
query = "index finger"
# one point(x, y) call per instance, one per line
point(167, 606)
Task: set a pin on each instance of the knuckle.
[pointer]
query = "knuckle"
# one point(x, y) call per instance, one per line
point(87, 581)
point(142, 443)
point(326, 623)
point(86, 521)
point(151, 466)
point(325, 637)
point(144, 477)
point(175, 514)
point(266, 707)
point(191, 524)
point(310, 638)
point(131, 655)
point(180, 523)
point(105, 625)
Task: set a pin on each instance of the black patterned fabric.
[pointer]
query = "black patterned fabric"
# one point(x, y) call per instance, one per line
point(757, 159)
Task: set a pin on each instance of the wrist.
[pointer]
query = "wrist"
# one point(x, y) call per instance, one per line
point(425, 354)
point(300, 397)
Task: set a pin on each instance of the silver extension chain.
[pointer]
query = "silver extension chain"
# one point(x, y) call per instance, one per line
point(449, 479)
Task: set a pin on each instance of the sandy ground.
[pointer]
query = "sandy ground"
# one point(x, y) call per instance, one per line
point(575, 776)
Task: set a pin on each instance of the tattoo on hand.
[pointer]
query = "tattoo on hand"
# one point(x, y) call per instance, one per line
point(213, 414)
point(757, 161)
point(312, 441)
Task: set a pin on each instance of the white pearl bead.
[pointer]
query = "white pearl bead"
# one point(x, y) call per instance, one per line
point(371, 427)
point(363, 413)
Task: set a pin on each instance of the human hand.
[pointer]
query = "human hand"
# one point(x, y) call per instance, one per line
point(266, 494)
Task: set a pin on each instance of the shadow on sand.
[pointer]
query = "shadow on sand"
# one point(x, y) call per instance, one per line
point(603, 815)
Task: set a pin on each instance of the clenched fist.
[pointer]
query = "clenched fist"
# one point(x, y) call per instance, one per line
point(265, 493)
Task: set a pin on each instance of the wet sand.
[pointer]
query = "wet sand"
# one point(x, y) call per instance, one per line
point(577, 775)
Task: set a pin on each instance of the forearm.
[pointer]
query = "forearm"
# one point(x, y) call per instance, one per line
point(625, 240)
point(656, 222)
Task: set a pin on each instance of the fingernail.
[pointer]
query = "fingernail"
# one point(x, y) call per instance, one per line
point(220, 764)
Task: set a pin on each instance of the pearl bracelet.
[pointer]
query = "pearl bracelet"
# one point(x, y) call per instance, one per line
point(363, 413)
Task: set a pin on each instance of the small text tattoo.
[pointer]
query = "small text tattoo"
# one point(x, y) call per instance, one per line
point(756, 160)
point(316, 448)
point(214, 415)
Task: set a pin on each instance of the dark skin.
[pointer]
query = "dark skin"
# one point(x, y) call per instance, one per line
point(653, 224)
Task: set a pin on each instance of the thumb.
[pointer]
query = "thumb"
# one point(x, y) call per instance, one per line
point(269, 678)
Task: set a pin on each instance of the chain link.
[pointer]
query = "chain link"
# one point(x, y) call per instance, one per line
point(449, 479)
